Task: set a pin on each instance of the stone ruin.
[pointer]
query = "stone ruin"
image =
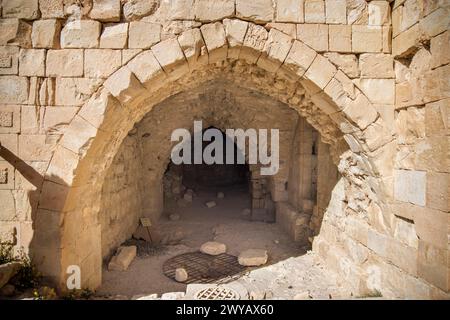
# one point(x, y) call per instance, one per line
point(360, 90)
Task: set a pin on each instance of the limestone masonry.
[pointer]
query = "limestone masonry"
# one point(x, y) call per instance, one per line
point(90, 91)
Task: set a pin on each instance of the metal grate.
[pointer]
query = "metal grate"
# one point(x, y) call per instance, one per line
point(203, 268)
point(217, 293)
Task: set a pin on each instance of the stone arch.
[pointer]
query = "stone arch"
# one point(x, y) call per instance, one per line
point(285, 68)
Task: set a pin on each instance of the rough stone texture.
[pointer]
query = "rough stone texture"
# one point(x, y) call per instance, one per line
point(64, 63)
point(80, 34)
point(213, 248)
point(143, 35)
point(382, 132)
point(7, 271)
point(253, 257)
point(122, 259)
point(45, 34)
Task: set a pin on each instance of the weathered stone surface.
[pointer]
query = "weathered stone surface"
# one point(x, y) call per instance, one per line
point(122, 259)
point(379, 13)
point(9, 60)
point(235, 31)
point(376, 65)
point(13, 89)
point(45, 34)
point(32, 62)
point(213, 248)
point(367, 38)
point(336, 11)
point(410, 186)
point(379, 91)
point(15, 32)
point(181, 275)
point(136, 9)
point(64, 63)
point(290, 11)
point(81, 34)
point(22, 9)
point(7, 271)
point(194, 48)
point(298, 61)
point(314, 35)
point(440, 46)
point(314, 11)
point(101, 63)
point(147, 70)
point(74, 91)
point(105, 10)
point(437, 118)
point(254, 41)
point(340, 38)
point(321, 71)
point(257, 11)
point(253, 257)
point(171, 57)
point(182, 10)
point(211, 204)
point(275, 50)
point(114, 36)
point(216, 43)
point(51, 9)
point(206, 10)
point(348, 63)
point(143, 35)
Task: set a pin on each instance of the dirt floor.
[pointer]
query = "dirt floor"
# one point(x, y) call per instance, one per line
point(283, 275)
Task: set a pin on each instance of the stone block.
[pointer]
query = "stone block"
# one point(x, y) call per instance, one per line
point(437, 116)
point(290, 11)
point(81, 34)
point(432, 265)
point(14, 90)
point(275, 50)
point(431, 154)
point(206, 10)
point(314, 35)
point(336, 11)
point(7, 176)
point(15, 32)
point(256, 11)
point(122, 259)
point(215, 40)
point(194, 48)
point(379, 13)
point(22, 9)
point(440, 47)
point(45, 34)
point(340, 38)
point(51, 9)
point(181, 10)
point(75, 91)
point(253, 257)
point(348, 63)
point(171, 58)
point(406, 42)
point(435, 23)
point(9, 119)
point(105, 10)
point(64, 63)
point(235, 31)
point(254, 42)
point(314, 11)
point(35, 147)
point(298, 61)
point(367, 38)
point(360, 110)
point(376, 65)
point(9, 60)
point(101, 63)
point(213, 248)
point(32, 62)
point(147, 70)
point(77, 136)
point(438, 189)
point(321, 71)
point(143, 35)
point(379, 91)
point(410, 186)
point(56, 118)
point(114, 36)
point(126, 87)
point(136, 9)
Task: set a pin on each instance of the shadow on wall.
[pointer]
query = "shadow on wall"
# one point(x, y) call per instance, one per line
point(45, 237)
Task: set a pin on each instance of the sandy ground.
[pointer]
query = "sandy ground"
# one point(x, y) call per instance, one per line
point(224, 223)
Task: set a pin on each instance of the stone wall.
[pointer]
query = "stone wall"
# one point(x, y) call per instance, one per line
point(121, 203)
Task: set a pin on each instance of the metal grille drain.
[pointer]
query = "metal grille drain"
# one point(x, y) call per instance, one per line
point(203, 268)
point(217, 293)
